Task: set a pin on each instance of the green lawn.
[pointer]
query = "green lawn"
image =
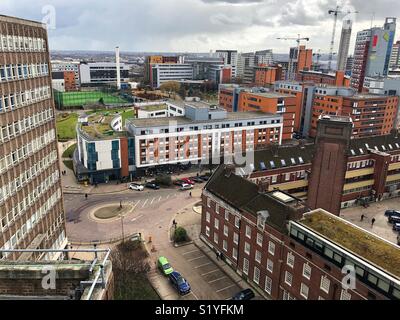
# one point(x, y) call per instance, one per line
point(69, 164)
point(74, 99)
point(134, 287)
point(66, 127)
point(69, 152)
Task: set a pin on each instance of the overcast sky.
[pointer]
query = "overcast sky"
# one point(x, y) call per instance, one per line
point(196, 25)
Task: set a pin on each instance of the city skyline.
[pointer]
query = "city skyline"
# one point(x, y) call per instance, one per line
point(192, 25)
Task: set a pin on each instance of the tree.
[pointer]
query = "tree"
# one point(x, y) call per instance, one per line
point(180, 235)
point(164, 180)
point(170, 86)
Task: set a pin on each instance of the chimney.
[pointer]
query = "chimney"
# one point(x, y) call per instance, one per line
point(117, 63)
point(229, 169)
point(263, 186)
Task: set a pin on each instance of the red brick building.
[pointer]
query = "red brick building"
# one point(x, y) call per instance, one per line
point(286, 254)
point(337, 79)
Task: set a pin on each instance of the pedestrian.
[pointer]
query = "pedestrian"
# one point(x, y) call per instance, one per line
point(372, 222)
point(190, 194)
point(217, 255)
point(86, 195)
point(362, 217)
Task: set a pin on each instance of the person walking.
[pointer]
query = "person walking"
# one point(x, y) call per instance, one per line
point(217, 255)
point(86, 196)
point(362, 217)
point(372, 222)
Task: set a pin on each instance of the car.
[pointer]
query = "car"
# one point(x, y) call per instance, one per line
point(136, 186)
point(152, 185)
point(186, 186)
point(164, 266)
point(197, 179)
point(394, 219)
point(187, 180)
point(390, 213)
point(398, 239)
point(179, 183)
point(179, 282)
point(205, 178)
point(245, 294)
point(396, 226)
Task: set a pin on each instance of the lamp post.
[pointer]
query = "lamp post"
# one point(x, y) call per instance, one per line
point(122, 228)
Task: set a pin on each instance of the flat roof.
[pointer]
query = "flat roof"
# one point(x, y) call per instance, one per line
point(360, 242)
point(154, 107)
point(231, 116)
point(271, 94)
point(21, 20)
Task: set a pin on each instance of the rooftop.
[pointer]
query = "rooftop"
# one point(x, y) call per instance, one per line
point(271, 94)
point(362, 243)
point(166, 121)
point(99, 125)
point(154, 107)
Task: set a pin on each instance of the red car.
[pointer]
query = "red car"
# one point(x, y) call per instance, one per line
point(187, 180)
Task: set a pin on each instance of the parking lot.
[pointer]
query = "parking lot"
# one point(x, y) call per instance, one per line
point(207, 280)
point(375, 210)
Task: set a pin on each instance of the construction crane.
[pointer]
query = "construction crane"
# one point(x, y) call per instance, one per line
point(298, 40)
point(335, 13)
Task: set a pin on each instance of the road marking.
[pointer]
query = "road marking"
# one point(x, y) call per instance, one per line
point(203, 265)
point(212, 281)
point(145, 203)
point(226, 288)
point(190, 251)
point(168, 196)
point(160, 199)
point(136, 204)
point(152, 200)
point(195, 296)
point(134, 219)
point(204, 274)
point(196, 258)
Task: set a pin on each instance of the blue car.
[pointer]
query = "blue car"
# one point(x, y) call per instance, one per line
point(179, 283)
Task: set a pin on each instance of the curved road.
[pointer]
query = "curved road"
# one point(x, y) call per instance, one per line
point(153, 212)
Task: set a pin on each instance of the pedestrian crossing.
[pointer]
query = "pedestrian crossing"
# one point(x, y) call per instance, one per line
point(149, 202)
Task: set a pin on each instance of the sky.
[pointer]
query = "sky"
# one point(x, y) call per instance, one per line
point(196, 25)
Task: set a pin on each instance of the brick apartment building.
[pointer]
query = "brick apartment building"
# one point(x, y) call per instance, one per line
point(365, 169)
point(236, 99)
point(265, 76)
point(337, 79)
point(372, 115)
point(31, 203)
point(287, 254)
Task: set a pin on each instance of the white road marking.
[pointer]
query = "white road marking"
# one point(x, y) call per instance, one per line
point(160, 199)
point(145, 203)
point(195, 296)
point(204, 274)
point(134, 219)
point(190, 251)
point(168, 196)
point(136, 204)
point(226, 288)
point(212, 281)
point(196, 258)
point(152, 200)
point(203, 265)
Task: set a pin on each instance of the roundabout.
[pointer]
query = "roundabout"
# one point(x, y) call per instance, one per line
point(110, 212)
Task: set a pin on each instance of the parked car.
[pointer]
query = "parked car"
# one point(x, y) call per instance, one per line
point(245, 294)
point(152, 185)
point(186, 186)
point(164, 266)
point(179, 282)
point(187, 180)
point(205, 177)
point(136, 186)
point(197, 179)
point(179, 183)
point(396, 226)
point(398, 239)
point(390, 213)
point(394, 219)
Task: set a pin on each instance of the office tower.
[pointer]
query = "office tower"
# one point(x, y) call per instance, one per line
point(31, 202)
point(344, 45)
point(230, 58)
point(395, 56)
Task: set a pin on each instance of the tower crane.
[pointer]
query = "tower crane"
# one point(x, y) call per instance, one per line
point(335, 13)
point(298, 40)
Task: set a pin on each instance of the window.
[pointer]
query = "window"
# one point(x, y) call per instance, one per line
point(271, 248)
point(304, 291)
point(208, 202)
point(208, 217)
point(259, 239)
point(325, 284)
point(225, 245)
point(344, 295)
point(208, 231)
point(258, 256)
point(235, 238)
point(306, 271)
point(234, 253)
point(288, 278)
point(226, 215)
point(237, 222)
point(290, 259)
point(256, 275)
point(248, 232)
point(270, 265)
point(226, 231)
point(216, 237)
point(247, 248)
point(217, 208)
point(216, 223)
point(245, 266)
point(268, 285)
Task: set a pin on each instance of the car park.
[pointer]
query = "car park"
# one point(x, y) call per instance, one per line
point(186, 186)
point(136, 186)
point(394, 219)
point(164, 266)
point(152, 185)
point(179, 282)
point(396, 226)
point(390, 213)
point(246, 294)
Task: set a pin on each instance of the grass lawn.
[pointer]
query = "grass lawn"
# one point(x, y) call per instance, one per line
point(66, 126)
point(69, 164)
point(70, 99)
point(69, 152)
point(135, 287)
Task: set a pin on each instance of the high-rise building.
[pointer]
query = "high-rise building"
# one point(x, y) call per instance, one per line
point(372, 52)
point(344, 45)
point(349, 65)
point(395, 56)
point(264, 57)
point(245, 60)
point(300, 59)
point(31, 202)
point(230, 58)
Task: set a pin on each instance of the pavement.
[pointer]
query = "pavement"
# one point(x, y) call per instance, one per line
point(375, 210)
